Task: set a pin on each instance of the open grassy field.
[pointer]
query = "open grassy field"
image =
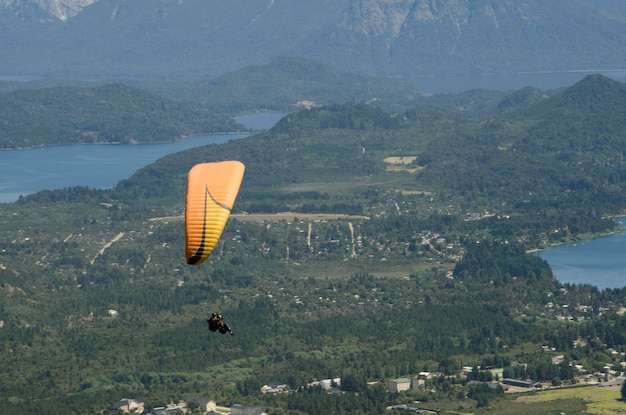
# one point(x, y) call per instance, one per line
point(570, 401)
point(575, 400)
point(401, 164)
point(598, 400)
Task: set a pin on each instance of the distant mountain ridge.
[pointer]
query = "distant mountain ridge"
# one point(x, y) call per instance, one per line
point(408, 38)
point(59, 9)
point(288, 84)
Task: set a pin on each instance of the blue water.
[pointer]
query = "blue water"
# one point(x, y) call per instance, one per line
point(600, 262)
point(101, 166)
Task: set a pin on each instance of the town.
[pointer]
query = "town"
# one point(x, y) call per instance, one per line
point(424, 381)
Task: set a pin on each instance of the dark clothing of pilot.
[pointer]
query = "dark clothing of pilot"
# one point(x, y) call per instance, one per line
point(216, 323)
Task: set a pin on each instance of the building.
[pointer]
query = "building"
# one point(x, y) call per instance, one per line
point(204, 404)
point(135, 406)
point(329, 385)
point(274, 388)
point(521, 383)
point(398, 385)
point(237, 409)
point(418, 384)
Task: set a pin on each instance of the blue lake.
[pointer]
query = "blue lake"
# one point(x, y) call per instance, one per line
point(24, 172)
point(600, 262)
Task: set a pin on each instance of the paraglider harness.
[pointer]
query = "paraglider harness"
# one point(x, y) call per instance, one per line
point(216, 323)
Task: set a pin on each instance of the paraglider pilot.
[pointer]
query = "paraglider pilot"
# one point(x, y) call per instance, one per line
point(216, 323)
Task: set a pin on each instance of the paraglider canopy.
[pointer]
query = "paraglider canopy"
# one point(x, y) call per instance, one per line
point(211, 192)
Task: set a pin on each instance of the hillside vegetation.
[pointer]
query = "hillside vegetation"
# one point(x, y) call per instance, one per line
point(103, 114)
point(288, 84)
point(427, 268)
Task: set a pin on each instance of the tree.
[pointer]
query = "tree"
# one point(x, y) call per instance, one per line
point(353, 383)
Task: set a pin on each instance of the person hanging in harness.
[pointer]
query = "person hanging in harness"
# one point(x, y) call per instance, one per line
point(216, 323)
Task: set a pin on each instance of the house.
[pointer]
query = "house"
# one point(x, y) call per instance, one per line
point(274, 388)
point(135, 406)
point(204, 404)
point(329, 385)
point(398, 385)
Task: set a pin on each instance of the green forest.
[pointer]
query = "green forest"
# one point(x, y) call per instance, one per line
point(112, 114)
point(427, 267)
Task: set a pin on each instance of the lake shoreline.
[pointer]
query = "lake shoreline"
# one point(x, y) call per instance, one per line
point(100, 165)
point(598, 261)
point(583, 237)
point(114, 143)
point(255, 125)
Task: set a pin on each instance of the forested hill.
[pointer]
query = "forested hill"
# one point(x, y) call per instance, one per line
point(568, 149)
point(288, 84)
point(554, 152)
point(104, 114)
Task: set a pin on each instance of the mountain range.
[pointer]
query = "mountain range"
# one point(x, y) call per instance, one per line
point(170, 39)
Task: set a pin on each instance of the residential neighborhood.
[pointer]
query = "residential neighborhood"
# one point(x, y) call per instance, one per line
point(419, 382)
point(195, 405)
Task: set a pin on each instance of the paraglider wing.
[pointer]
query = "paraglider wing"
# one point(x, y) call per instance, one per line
point(211, 192)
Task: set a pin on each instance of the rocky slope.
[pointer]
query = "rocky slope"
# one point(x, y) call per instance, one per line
point(57, 9)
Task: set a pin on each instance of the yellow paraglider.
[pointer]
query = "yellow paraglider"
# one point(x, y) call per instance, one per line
point(211, 192)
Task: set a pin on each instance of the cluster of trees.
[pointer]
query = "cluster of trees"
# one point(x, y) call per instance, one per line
point(543, 369)
point(385, 332)
point(497, 263)
point(482, 393)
